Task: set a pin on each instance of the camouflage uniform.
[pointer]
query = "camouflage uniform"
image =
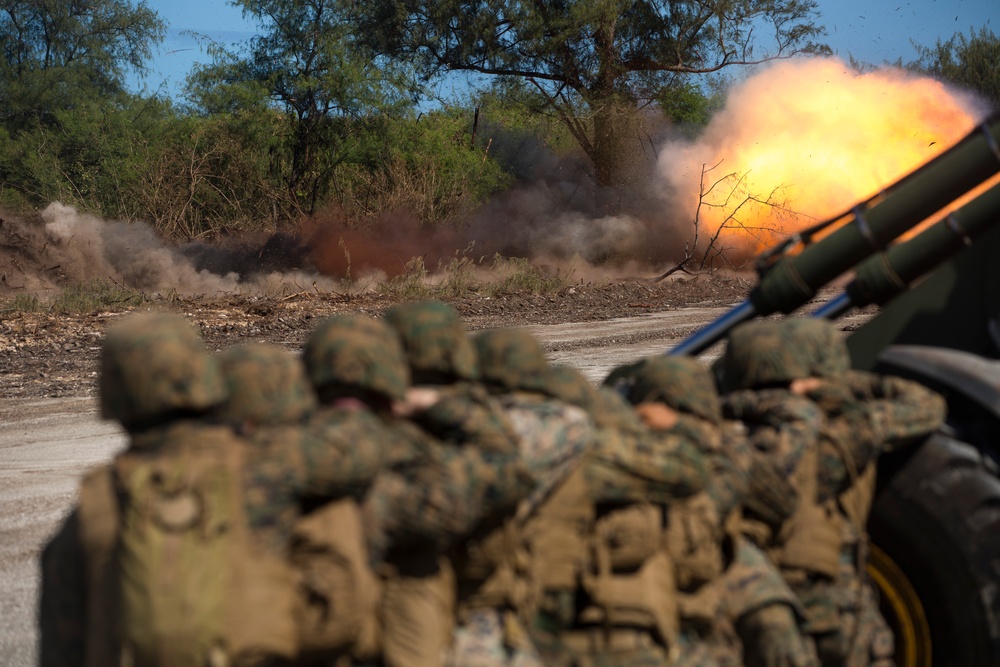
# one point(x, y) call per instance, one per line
point(267, 398)
point(821, 543)
point(158, 380)
point(427, 497)
point(898, 413)
point(904, 411)
point(745, 589)
point(358, 367)
point(456, 409)
point(585, 600)
point(493, 587)
point(272, 403)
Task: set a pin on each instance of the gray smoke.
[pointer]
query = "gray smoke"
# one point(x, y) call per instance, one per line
point(84, 247)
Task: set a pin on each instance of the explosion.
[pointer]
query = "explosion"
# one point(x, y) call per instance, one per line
point(803, 141)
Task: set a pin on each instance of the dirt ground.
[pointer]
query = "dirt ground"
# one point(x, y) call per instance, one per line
point(44, 355)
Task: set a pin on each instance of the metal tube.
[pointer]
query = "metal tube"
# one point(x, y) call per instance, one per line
point(793, 280)
point(715, 331)
point(835, 307)
point(882, 277)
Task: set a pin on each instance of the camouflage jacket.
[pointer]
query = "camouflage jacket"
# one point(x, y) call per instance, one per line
point(780, 428)
point(466, 414)
point(905, 410)
point(779, 424)
point(455, 464)
point(432, 504)
point(870, 414)
point(729, 457)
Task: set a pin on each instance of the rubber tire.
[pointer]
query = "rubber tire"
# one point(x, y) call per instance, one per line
point(937, 515)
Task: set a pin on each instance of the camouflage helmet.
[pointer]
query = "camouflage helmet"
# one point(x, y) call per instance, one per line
point(357, 352)
point(683, 383)
point(759, 354)
point(606, 407)
point(570, 385)
point(434, 340)
point(511, 359)
point(821, 343)
point(267, 385)
point(153, 364)
point(621, 378)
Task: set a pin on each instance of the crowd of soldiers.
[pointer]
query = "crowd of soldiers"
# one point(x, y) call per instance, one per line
point(409, 494)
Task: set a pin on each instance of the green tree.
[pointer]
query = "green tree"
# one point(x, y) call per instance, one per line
point(971, 62)
point(595, 63)
point(308, 63)
point(423, 164)
point(55, 53)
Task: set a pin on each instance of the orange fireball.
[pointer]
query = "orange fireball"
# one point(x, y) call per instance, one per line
point(804, 140)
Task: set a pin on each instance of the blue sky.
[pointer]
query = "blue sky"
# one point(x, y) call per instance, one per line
point(873, 31)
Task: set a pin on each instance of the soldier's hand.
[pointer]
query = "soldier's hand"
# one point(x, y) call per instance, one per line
point(832, 398)
point(657, 416)
point(771, 638)
point(417, 400)
point(803, 386)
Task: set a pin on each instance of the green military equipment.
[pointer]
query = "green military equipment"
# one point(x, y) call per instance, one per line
point(886, 275)
point(266, 385)
point(820, 343)
point(176, 576)
point(154, 365)
point(607, 408)
point(684, 384)
point(511, 359)
point(356, 353)
point(570, 385)
point(435, 341)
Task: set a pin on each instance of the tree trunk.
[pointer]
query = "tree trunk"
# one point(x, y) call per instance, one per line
point(617, 148)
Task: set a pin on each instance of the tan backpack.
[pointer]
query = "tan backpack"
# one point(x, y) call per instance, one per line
point(339, 593)
point(176, 578)
point(631, 581)
point(812, 538)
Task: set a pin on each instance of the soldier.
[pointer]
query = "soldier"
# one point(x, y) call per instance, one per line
point(726, 582)
point(819, 542)
point(585, 556)
point(269, 401)
point(446, 399)
point(903, 412)
point(357, 366)
point(426, 498)
point(161, 562)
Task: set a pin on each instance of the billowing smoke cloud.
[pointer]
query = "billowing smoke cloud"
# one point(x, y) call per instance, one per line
point(800, 141)
point(70, 246)
point(128, 253)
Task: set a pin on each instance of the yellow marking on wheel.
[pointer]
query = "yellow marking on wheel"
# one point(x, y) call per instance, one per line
point(908, 620)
